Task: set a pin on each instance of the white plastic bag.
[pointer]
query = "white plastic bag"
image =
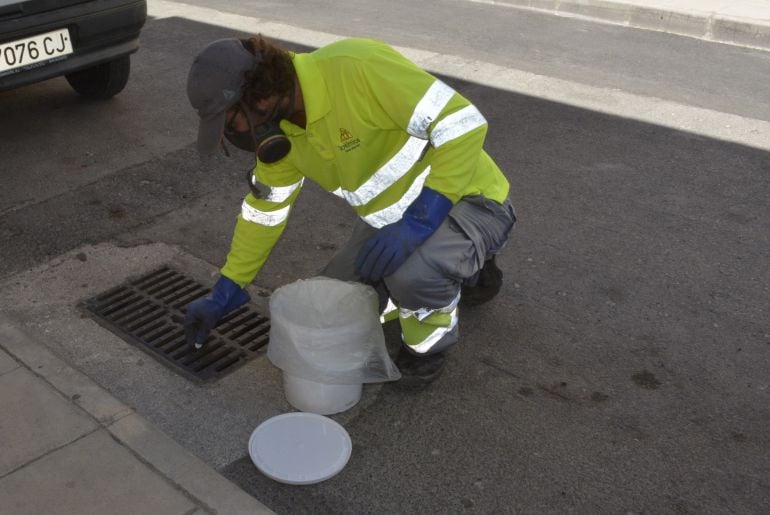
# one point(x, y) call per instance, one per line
point(329, 331)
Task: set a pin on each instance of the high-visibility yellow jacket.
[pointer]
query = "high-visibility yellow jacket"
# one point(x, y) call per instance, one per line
point(378, 129)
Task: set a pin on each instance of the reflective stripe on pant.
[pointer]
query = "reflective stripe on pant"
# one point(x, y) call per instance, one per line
point(429, 330)
point(426, 288)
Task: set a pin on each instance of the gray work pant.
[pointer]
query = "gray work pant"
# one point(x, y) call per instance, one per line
point(476, 229)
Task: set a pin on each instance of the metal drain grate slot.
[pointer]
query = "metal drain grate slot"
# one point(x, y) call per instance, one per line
point(148, 312)
point(247, 329)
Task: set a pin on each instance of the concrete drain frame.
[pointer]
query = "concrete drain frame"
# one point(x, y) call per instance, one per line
point(148, 312)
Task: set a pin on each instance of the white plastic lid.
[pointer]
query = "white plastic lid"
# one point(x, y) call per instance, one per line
point(300, 448)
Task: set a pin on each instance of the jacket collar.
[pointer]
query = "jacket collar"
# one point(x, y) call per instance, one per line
point(313, 92)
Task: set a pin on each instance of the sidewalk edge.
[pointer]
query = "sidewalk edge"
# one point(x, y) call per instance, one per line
point(201, 481)
point(183, 468)
point(697, 24)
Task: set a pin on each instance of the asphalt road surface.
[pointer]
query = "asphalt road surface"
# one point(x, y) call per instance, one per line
point(625, 366)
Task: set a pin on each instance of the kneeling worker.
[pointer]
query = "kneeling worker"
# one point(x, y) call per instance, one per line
point(400, 146)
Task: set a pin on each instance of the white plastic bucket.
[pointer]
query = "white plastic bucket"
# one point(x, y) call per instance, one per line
point(320, 398)
point(326, 337)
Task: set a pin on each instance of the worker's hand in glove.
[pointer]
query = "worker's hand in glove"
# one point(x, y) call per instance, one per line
point(203, 314)
point(383, 253)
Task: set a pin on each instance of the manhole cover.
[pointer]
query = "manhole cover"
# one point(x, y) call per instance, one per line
point(148, 312)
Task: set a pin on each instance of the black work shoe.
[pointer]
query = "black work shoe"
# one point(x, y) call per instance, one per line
point(417, 372)
point(487, 287)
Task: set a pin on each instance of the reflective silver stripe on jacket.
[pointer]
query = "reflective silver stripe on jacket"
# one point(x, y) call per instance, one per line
point(456, 124)
point(426, 111)
point(279, 194)
point(428, 108)
point(394, 212)
point(385, 177)
point(269, 218)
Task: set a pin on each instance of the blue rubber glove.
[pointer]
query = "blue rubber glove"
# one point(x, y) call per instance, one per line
point(383, 253)
point(203, 314)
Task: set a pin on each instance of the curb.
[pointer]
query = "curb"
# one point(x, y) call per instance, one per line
point(710, 26)
point(155, 449)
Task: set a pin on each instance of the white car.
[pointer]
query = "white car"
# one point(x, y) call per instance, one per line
point(87, 41)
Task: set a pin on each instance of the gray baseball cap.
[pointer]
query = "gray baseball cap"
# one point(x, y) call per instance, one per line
point(214, 86)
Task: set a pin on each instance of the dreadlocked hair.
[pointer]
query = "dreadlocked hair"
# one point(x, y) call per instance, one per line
point(274, 75)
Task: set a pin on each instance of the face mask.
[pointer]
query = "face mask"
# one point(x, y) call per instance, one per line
point(266, 140)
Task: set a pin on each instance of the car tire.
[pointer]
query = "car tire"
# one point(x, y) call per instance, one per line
point(102, 81)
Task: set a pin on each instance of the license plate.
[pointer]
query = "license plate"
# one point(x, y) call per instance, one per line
point(37, 49)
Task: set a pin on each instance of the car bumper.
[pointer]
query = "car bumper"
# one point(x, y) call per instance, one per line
point(98, 36)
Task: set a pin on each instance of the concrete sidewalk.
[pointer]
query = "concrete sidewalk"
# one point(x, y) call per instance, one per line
point(738, 22)
point(67, 446)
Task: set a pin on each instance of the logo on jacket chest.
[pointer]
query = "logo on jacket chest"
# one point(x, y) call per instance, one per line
point(348, 142)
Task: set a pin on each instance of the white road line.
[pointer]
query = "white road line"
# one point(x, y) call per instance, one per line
point(695, 120)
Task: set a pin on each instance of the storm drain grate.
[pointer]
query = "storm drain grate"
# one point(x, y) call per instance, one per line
point(149, 312)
